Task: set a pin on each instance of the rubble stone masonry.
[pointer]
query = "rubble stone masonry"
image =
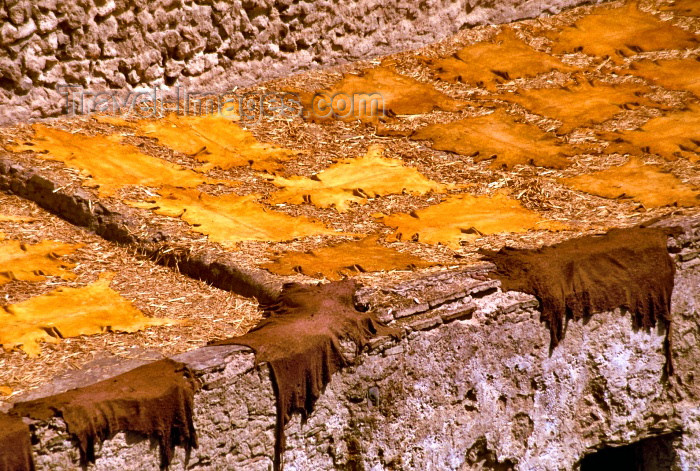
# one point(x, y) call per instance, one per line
point(47, 46)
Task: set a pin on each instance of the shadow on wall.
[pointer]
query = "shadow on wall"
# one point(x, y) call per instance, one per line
point(650, 454)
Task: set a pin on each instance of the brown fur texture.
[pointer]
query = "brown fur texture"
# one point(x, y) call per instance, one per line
point(156, 400)
point(300, 339)
point(15, 445)
point(628, 268)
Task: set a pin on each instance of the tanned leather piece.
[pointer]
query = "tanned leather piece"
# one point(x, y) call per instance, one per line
point(628, 268)
point(156, 400)
point(15, 445)
point(300, 339)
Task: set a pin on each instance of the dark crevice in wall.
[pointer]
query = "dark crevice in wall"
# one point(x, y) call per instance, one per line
point(651, 454)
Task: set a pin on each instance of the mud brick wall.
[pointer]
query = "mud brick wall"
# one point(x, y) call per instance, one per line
point(472, 386)
point(127, 44)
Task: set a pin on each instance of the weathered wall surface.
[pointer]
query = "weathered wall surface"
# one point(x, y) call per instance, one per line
point(472, 386)
point(126, 44)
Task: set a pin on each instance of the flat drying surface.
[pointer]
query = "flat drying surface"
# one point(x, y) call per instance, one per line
point(64, 314)
point(511, 154)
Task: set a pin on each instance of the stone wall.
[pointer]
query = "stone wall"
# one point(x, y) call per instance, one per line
point(472, 386)
point(127, 44)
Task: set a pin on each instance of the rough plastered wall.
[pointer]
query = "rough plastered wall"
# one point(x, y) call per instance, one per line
point(473, 386)
point(127, 44)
